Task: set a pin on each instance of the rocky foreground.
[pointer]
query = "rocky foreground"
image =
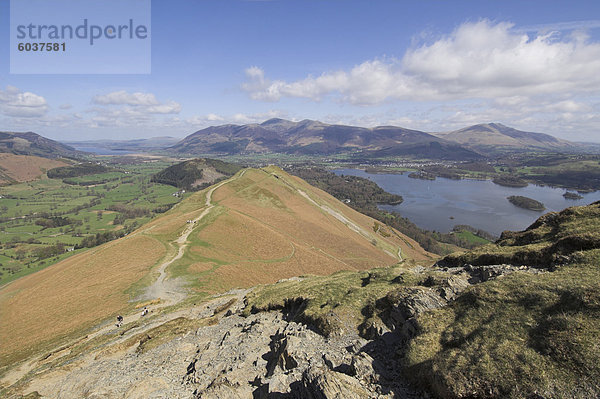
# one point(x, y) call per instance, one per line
point(238, 354)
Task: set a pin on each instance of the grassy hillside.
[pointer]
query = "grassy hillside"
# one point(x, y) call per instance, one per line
point(262, 225)
point(22, 168)
point(30, 143)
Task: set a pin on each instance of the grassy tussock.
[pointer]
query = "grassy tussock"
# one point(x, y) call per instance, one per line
point(522, 334)
point(344, 300)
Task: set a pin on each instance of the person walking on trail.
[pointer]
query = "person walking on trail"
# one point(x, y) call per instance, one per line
point(119, 320)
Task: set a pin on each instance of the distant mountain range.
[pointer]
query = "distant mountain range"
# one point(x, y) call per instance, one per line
point(317, 138)
point(30, 143)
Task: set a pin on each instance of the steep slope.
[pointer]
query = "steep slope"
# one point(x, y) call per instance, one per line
point(21, 168)
point(30, 143)
point(498, 137)
point(313, 137)
point(257, 227)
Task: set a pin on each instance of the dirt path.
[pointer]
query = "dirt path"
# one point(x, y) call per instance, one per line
point(169, 290)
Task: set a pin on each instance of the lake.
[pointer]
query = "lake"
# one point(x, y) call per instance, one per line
point(430, 204)
point(102, 150)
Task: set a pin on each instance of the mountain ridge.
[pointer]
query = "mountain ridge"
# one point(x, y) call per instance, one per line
point(30, 143)
point(317, 138)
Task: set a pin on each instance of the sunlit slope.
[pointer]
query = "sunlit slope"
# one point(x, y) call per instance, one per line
point(269, 225)
point(261, 226)
point(20, 168)
point(72, 294)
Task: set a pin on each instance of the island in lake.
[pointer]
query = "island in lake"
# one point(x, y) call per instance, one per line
point(509, 181)
point(572, 196)
point(526, 203)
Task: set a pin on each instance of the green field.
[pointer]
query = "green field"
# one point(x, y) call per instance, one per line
point(45, 221)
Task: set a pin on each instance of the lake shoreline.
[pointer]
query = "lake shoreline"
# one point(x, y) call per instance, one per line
point(441, 204)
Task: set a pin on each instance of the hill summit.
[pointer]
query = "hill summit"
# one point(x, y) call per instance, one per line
point(496, 137)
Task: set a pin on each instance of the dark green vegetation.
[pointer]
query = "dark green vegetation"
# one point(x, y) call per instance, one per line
point(196, 174)
point(575, 171)
point(526, 203)
point(365, 195)
point(44, 221)
point(33, 144)
point(524, 335)
point(510, 181)
point(77, 170)
point(572, 196)
point(359, 191)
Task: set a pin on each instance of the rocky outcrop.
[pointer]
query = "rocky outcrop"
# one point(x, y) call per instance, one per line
point(259, 356)
point(266, 354)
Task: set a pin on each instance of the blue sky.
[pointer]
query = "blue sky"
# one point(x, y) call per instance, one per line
point(430, 65)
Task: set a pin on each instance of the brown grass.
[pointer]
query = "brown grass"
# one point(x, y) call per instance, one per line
point(22, 168)
point(71, 295)
point(261, 230)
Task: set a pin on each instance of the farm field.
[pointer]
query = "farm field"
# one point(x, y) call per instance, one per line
point(47, 220)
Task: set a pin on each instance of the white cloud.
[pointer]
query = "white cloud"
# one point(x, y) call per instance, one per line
point(136, 103)
point(124, 109)
point(197, 122)
point(122, 97)
point(170, 107)
point(15, 103)
point(478, 60)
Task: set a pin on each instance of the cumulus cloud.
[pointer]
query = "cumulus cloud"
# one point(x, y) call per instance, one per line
point(15, 103)
point(239, 118)
point(477, 60)
point(124, 109)
point(136, 103)
point(122, 97)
